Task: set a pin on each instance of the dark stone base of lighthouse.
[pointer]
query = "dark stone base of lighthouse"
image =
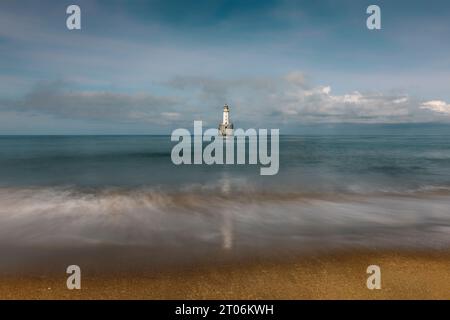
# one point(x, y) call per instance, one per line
point(226, 129)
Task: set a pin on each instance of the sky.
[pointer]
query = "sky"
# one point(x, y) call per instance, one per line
point(148, 67)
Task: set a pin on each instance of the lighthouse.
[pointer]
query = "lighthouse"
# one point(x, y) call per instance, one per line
point(226, 127)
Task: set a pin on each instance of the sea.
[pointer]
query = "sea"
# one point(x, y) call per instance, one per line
point(121, 199)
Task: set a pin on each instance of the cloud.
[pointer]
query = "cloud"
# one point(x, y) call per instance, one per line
point(437, 106)
point(292, 99)
point(171, 115)
point(296, 77)
point(217, 90)
point(60, 100)
point(287, 100)
point(320, 105)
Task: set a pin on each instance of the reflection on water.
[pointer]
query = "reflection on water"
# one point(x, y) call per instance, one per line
point(227, 216)
point(227, 230)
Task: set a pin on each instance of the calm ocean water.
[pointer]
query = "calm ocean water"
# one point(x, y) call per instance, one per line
point(331, 191)
point(322, 164)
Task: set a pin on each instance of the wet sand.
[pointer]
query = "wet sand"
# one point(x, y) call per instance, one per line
point(405, 275)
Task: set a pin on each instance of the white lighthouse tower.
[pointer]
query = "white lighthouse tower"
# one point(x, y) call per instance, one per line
point(226, 127)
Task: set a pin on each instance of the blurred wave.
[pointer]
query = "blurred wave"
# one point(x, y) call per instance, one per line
point(222, 218)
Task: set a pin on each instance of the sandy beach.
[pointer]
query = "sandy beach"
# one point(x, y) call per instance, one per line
point(405, 275)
